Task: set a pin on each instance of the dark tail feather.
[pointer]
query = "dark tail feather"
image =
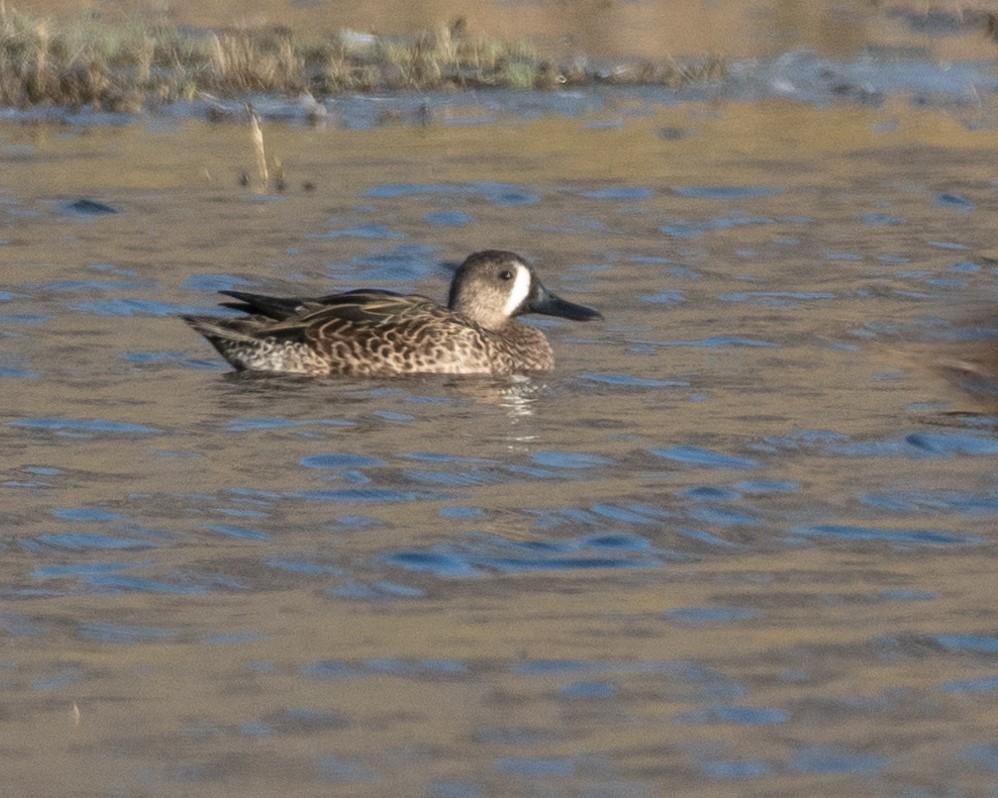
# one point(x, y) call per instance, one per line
point(277, 308)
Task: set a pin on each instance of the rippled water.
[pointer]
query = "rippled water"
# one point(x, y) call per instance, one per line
point(740, 541)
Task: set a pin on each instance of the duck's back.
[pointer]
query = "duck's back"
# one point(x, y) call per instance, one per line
point(369, 334)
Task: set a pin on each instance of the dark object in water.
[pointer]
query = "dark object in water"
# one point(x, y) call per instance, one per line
point(88, 207)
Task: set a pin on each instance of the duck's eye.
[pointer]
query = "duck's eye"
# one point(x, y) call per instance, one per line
point(505, 274)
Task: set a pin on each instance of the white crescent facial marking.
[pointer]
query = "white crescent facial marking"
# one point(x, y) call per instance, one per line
point(519, 291)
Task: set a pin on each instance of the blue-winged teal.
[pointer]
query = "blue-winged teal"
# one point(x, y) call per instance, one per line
point(373, 333)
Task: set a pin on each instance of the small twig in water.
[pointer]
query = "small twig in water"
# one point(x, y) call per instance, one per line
point(261, 155)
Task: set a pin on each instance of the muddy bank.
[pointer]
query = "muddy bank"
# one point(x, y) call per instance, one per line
point(129, 67)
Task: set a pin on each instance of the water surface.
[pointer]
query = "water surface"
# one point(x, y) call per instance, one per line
point(739, 542)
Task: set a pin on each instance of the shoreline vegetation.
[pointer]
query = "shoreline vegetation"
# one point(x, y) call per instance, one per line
point(88, 63)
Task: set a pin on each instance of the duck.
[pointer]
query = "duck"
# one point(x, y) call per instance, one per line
point(378, 333)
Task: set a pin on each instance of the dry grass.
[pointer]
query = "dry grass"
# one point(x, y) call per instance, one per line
point(90, 63)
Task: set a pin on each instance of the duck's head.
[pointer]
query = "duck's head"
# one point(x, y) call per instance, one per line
point(493, 286)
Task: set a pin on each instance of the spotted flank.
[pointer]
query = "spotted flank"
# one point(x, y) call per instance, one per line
point(375, 333)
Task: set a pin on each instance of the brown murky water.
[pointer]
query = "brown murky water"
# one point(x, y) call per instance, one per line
point(737, 543)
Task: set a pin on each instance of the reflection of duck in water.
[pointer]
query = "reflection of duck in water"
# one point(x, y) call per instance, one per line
point(374, 333)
